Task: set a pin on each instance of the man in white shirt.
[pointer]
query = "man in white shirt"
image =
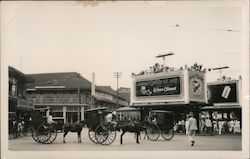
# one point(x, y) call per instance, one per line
point(50, 119)
point(109, 118)
point(191, 128)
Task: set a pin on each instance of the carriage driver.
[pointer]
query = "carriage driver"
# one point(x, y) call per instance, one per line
point(109, 118)
point(50, 119)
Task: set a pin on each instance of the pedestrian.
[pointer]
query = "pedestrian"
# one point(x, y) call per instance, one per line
point(208, 125)
point(183, 126)
point(215, 125)
point(236, 126)
point(186, 124)
point(191, 128)
point(231, 127)
point(221, 124)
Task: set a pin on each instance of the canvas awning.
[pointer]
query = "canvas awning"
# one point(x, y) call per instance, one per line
point(221, 107)
point(124, 109)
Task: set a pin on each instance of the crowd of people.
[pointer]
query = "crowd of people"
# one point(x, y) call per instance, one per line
point(218, 126)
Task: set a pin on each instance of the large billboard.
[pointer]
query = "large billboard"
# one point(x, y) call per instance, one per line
point(224, 92)
point(156, 87)
point(176, 87)
point(161, 87)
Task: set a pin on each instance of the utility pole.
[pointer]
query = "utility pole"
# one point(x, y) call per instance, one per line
point(117, 75)
point(163, 56)
point(79, 97)
point(219, 68)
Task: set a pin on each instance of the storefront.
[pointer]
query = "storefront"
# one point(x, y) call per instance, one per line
point(224, 99)
point(18, 106)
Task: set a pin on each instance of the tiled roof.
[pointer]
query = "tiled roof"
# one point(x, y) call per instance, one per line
point(68, 79)
point(109, 90)
point(19, 74)
point(106, 89)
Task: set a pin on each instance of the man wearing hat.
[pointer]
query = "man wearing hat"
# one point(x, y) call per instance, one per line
point(191, 128)
point(109, 118)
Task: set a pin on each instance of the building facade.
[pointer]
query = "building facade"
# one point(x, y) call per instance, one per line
point(18, 105)
point(68, 95)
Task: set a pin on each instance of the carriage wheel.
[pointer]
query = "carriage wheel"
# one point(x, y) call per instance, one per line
point(167, 134)
point(43, 134)
point(91, 134)
point(101, 134)
point(33, 134)
point(25, 131)
point(110, 137)
point(153, 132)
point(53, 135)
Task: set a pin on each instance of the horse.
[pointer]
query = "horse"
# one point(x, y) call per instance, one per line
point(134, 127)
point(76, 127)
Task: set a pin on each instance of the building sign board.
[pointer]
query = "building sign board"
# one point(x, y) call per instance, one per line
point(156, 87)
point(167, 88)
point(196, 86)
point(223, 92)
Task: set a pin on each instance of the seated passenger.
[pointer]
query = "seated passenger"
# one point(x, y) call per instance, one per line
point(109, 118)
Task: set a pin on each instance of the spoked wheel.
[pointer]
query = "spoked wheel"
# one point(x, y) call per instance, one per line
point(33, 134)
point(167, 134)
point(153, 132)
point(25, 131)
point(53, 135)
point(101, 134)
point(110, 137)
point(43, 134)
point(92, 137)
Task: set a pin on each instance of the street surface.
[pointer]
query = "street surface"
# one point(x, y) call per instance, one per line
point(179, 142)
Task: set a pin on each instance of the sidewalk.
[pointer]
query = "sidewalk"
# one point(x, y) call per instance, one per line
point(212, 134)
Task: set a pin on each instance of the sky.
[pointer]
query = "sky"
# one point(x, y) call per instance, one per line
point(51, 36)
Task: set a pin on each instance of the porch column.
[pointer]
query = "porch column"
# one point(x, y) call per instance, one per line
point(64, 114)
point(82, 113)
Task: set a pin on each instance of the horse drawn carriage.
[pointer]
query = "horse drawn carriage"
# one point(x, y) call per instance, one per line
point(162, 124)
point(41, 131)
point(99, 132)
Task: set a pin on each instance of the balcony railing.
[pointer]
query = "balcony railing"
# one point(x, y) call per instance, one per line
point(25, 104)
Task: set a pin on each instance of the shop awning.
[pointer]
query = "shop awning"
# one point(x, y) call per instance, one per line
point(126, 109)
point(221, 107)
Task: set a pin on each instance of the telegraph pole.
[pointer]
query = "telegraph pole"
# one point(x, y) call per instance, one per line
point(220, 68)
point(163, 56)
point(117, 75)
point(79, 97)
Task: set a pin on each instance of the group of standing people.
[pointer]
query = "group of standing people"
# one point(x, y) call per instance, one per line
point(220, 125)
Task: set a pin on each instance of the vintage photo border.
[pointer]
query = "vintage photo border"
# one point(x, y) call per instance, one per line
point(7, 154)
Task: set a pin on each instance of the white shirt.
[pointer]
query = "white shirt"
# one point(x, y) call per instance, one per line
point(50, 119)
point(208, 123)
point(109, 117)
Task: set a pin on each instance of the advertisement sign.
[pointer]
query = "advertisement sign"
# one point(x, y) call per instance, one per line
point(154, 89)
point(158, 87)
point(177, 87)
point(196, 86)
point(226, 92)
